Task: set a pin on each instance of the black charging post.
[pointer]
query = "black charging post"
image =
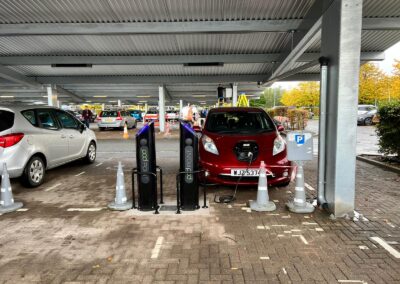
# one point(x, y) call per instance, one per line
point(146, 171)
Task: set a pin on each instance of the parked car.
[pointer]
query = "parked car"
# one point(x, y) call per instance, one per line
point(235, 140)
point(115, 119)
point(171, 115)
point(36, 139)
point(366, 114)
point(151, 114)
point(137, 114)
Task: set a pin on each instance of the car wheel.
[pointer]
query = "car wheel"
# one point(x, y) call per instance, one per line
point(368, 121)
point(101, 128)
point(91, 153)
point(34, 172)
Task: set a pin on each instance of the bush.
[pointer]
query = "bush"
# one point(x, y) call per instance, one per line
point(388, 129)
point(298, 118)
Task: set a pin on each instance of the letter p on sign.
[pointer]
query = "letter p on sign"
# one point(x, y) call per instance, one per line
point(299, 139)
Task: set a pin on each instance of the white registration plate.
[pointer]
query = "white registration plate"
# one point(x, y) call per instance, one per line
point(245, 173)
point(109, 120)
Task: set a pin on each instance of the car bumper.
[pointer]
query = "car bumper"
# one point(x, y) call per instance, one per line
point(110, 125)
point(277, 173)
point(15, 158)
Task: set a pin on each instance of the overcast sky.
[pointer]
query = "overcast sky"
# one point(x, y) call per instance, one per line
point(386, 65)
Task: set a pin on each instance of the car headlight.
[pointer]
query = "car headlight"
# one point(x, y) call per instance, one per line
point(209, 145)
point(279, 145)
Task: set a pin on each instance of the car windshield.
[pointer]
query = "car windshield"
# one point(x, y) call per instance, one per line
point(6, 120)
point(152, 111)
point(109, 114)
point(365, 108)
point(239, 122)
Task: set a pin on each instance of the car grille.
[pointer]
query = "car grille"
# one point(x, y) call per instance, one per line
point(243, 148)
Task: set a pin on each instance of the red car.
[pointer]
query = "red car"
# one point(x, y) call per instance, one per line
point(235, 140)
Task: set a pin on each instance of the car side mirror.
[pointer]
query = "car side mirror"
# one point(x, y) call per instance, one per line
point(82, 127)
point(281, 128)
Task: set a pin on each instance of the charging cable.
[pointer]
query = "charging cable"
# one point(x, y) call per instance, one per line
point(231, 198)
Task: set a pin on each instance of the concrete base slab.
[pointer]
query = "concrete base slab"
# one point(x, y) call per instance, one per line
point(270, 206)
point(307, 208)
point(11, 208)
point(120, 207)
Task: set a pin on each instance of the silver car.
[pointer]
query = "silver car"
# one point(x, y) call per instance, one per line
point(34, 139)
point(115, 119)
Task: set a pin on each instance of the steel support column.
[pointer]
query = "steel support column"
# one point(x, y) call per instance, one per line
point(234, 94)
point(161, 104)
point(51, 96)
point(341, 43)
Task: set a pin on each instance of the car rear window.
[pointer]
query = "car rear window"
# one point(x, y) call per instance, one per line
point(109, 114)
point(239, 122)
point(30, 116)
point(6, 120)
point(150, 111)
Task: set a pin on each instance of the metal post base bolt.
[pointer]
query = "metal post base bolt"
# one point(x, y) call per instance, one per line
point(262, 203)
point(7, 203)
point(120, 202)
point(299, 204)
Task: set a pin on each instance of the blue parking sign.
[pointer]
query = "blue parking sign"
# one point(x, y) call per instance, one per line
point(300, 139)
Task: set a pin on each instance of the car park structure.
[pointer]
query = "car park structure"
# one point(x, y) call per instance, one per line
point(177, 52)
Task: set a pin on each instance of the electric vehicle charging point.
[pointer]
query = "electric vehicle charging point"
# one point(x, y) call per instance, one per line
point(187, 180)
point(146, 171)
point(299, 150)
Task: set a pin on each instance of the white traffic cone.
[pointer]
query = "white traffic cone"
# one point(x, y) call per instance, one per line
point(126, 134)
point(120, 202)
point(167, 130)
point(299, 203)
point(7, 203)
point(262, 203)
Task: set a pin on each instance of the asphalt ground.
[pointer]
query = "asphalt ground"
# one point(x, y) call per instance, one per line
point(66, 234)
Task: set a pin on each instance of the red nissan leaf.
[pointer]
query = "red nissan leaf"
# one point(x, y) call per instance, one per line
point(235, 140)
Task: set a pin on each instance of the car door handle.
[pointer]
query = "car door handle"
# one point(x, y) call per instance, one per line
point(63, 136)
point(71, 136)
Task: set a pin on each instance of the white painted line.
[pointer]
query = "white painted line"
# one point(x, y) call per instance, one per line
point(156, 250)
point(363, 247)
point(284, 270)
point(248, 210)
point(358, 216)
point(276, 201)
point(306, 217)
point(260, 227)
point(309, 187)
point(279, 225)
point(273, 214)
point(287, 232)
point(286, 217)
point(296, 230)
point(319, 229)
point(352, 281)
point(85, 209)
point(309, 223)
point(99, 164)
point(302, 238)
point(79, 174)
point(386, 246)
point(280, 235)
point(52, 187)
point(264, 257)
point(22, 209)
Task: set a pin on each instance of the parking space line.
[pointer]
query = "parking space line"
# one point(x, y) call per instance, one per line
point(99, 164)
point(79, 174)
point(85, 209)
point(386, 246)
point(302, 238)
point(22, 209)
point(156, 250)
point(309, 187)
point(52, 187)
point(352, 281)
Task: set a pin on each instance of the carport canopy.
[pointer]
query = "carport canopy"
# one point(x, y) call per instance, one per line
point(142, 51)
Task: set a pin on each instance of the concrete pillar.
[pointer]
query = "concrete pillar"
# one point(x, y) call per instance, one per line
point(161, 105)
point(180, 105)
point(103, 106)
point(146, 107)
point(234, 94)
point(341, 43)
point(51, 96)
point(119, 103)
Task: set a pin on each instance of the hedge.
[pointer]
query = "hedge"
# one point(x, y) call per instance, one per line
point(388, 129)
point(294, 119)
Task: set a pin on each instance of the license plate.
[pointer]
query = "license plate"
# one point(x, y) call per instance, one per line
point(245, 173)
point(109, 120)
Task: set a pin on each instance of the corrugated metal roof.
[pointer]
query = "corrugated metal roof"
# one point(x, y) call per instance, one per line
point(72, 11)
point(143, 70)
point(381, 8)
point(181, 44)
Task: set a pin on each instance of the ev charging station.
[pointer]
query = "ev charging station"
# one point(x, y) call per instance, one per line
point(146, 171)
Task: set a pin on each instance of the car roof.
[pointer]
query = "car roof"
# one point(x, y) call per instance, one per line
point(17, 108)
point(232, 109)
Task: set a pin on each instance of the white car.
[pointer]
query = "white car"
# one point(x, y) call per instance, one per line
point(115, 119)
point(35, 139)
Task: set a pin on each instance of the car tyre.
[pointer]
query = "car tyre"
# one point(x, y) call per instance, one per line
point(101, 128)
point(91, 153)
point(34, 172)
point(368, 121)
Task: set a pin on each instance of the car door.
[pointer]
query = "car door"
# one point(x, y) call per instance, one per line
point(76, 138)
point(51, 137)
